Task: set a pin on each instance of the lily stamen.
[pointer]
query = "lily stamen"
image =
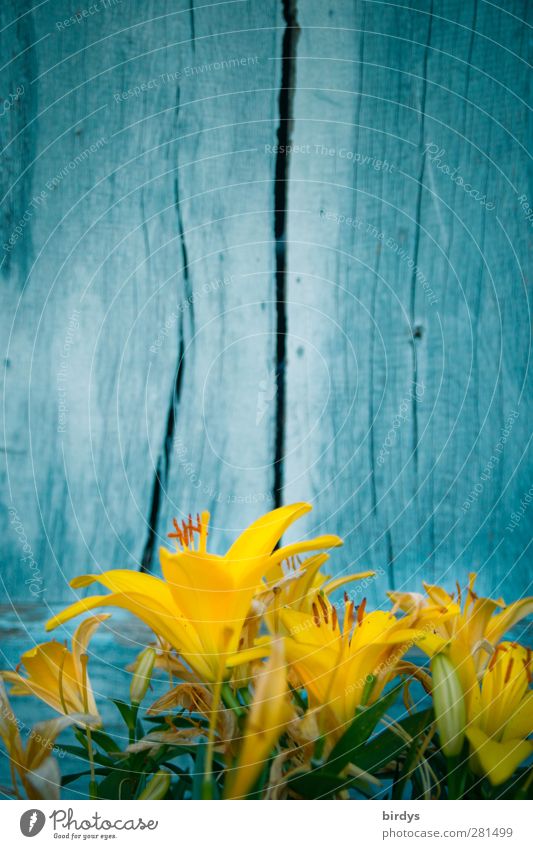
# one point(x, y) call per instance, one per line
point(493, 659)
point(508, 671)
point(323, 605)
point(84, 659)
point(527, 665)
point(349, 616)
point(60, 684)
point(185, 533)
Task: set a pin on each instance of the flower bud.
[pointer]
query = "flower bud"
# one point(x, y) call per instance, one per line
point(157, 787)
point(141, 676)
point(269, 714)
point(449, 705)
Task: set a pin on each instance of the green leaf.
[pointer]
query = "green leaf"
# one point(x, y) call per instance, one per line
point(73, 776)
point(388, 746)
point(199, 771)
point(105, 742)
point(319, 784)
point(118, 784)
point(181, 773)
point(77, 751)
point(127, 712)
point(349, 746)
point(408, 764)
point(82, 754)
point(157, 720)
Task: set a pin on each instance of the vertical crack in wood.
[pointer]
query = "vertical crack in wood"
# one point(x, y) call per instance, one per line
point(163, 462)
point(183, 246)
point(418, 212)
point(191, 22)
point(416, 247)
point(18, 136)
point(469, 64)
point(374, 497)
point(145, 227)
point(281, 193)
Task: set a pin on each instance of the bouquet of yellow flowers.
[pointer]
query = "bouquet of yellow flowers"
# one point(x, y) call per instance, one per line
point(278, 690)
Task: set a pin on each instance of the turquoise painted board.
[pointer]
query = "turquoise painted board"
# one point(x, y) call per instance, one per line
point(408, 307)
point(260, 252)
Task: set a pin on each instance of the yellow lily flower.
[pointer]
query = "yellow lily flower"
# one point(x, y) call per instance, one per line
point(503, 715)
point(296, 584)
point(201, 604)
point(341, 666)
point(467, 630)
point(292, 583)
point(270, 713)
point(33, 764)
point(58, 676)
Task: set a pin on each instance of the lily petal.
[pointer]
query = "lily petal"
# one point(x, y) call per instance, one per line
point(505, 620)
point(316, 544)
point(333, 585)
point(261, 537)
point(498, 761)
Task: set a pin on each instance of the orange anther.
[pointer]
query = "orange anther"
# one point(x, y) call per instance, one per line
point(324, 607)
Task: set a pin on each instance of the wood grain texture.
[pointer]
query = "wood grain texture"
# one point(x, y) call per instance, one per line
point(148, 228)
point(141, 205)
point(84, 286)
point(223, 434)
point(142, 268)
point(407, 308)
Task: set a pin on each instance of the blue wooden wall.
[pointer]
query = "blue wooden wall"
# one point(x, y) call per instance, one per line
point(255, 252)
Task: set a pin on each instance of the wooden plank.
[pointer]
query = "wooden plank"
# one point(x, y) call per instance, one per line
point(85, 294)
point(154, 249)
point(139, 285)
point(407, 312)
point(120, 158)
point(223, 435)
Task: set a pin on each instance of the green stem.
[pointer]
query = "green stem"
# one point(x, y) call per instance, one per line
point(132, 723)
point(230, 700)
point(456, 777)
point(207, 787)
point(367, 691)
point(90, 753)
point(244, 693)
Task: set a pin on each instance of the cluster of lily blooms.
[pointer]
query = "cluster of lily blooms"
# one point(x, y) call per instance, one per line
point(261, 620)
